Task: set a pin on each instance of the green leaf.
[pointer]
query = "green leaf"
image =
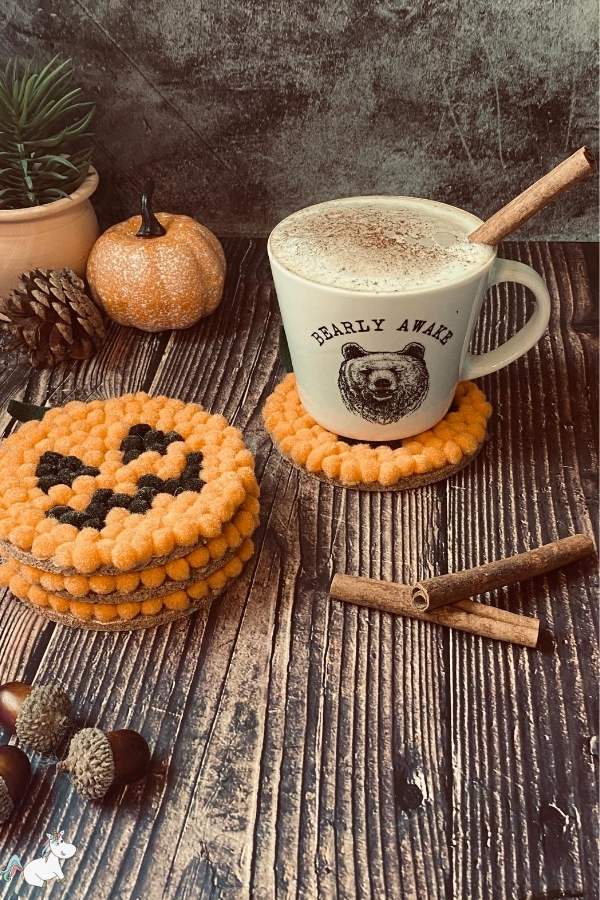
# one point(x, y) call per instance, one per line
point(26, 412)
point(62, 161)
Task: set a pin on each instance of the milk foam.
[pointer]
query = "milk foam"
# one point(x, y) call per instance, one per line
point(379, 244)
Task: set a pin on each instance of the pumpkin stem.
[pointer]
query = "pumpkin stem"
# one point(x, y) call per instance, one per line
point(150, 226)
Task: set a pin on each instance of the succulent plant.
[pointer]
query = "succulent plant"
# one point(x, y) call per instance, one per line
point(45, 147)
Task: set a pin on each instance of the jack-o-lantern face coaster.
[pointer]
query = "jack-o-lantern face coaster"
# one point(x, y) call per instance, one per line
point(130, 498)
point(413, 462)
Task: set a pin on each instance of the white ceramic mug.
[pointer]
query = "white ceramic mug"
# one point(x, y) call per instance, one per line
point(376, 364)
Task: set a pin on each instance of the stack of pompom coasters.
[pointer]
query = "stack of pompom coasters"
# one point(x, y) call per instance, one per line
point(412, 462)
point(125, 513)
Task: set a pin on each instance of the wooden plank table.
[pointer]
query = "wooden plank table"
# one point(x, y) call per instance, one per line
point(310, 749)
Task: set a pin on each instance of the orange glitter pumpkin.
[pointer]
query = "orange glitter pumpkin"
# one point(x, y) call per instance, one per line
point(157, 272)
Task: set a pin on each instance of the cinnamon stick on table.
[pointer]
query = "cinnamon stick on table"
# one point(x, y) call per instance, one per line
point(466, 615)
point(445, 589)
point(536, 197)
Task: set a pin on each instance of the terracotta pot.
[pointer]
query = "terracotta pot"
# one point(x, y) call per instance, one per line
point(51, 236)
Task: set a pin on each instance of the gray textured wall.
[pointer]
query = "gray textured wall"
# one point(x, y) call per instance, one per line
point(244, 110)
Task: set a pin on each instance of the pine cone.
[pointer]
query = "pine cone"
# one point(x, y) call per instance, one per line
point(51, 317)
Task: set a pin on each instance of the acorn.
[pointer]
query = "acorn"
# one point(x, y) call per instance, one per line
point(15, 775)
point(99, 761)
point(37, 714)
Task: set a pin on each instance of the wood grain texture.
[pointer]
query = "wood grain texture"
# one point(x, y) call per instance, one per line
point(304, 748)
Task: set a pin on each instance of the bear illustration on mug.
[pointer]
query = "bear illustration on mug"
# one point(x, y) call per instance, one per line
point(383, 386)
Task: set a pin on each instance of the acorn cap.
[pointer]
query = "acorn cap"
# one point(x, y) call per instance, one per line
point(90, 763)
point(43, 719)
point(15, 774)
point(6, 803)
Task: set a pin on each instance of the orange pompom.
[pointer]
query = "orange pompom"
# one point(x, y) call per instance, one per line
point(22, 536)
point(178, 600)
point(178, 570)
point(105, 612)
point(388, 472)
point(209, 525)
point(83, 611)
point(52, 581)
point(124, 556)
point(197, 591)
point(217, 547)
point(6, 573)
point(350, 471)
point(231, 536)
point(127, 582)
point(369, 469)
point(405, 464)
point(151, 607)
point(199, 558)
point(163, 542)
point(244, 522)
point(143, 547)
point(185, 532)
point(104, 548)
point(37, 595)
point(153, 577)
point(102, 584)
point(466, 442)
point(435, 457)
point(86, 557)
point(233, 567)
point(64, 556)
point(452, 452)
point(217, 580)
point(77, 585)
point(60, 494)
point(332, 466)
point(59, 604)
point(128, 611)
point(43, 546)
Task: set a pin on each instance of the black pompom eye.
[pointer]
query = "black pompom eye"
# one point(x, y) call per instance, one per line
point(54, 468)
point(141, 438)
point(140, 429)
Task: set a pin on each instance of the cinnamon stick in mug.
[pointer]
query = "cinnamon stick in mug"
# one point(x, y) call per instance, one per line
point(448, 589)
point(474, 618)
point(536, 197)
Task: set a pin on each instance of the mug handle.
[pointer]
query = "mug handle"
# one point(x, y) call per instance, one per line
point(527, 336)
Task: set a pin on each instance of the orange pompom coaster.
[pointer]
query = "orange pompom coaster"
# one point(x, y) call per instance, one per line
point(114, 486)
point(124, 513)
point(130, 615)
point(412, 462)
